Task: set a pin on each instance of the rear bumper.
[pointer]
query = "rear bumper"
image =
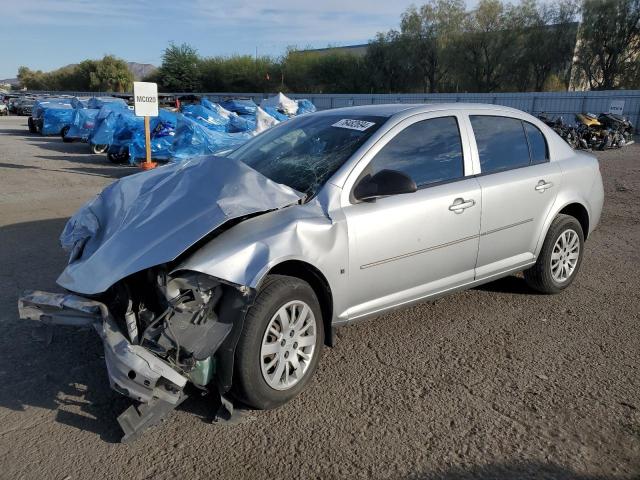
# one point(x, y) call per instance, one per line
point(133, 371)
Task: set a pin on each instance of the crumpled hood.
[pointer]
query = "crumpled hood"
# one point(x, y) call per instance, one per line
point(152, 217)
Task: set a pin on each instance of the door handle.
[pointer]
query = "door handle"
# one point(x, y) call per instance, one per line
point(542, 186)
point(459, 205)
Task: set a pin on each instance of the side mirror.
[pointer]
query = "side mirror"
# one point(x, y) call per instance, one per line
point(383, 184)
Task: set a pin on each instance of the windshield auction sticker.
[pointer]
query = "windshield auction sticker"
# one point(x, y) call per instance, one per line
point(351, 124)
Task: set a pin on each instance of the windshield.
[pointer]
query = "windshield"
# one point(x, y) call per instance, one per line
point(305, 151)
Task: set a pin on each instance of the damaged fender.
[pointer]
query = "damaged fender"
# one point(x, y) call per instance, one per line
point(244, 254)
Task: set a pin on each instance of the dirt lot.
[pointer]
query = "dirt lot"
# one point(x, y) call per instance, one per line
point(496, 382)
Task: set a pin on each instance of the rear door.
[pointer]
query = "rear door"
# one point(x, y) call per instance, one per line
point(519, 186)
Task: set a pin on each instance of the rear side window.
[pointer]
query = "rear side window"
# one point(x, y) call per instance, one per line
point(537, 144)
point(501, 141)
point(429, 151)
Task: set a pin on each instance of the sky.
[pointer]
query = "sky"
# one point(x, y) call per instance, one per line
point(47, 34)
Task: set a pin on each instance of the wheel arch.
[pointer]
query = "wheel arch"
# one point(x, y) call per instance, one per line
point(578, 211)
point(318, 282)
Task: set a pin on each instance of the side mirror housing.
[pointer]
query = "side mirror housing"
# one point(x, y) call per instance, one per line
point(383, 184)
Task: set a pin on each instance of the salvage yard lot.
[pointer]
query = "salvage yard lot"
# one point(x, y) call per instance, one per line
point(495, 382)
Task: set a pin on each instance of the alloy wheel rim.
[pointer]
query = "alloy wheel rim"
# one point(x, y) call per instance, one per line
point(288, 345)
point(565, 255)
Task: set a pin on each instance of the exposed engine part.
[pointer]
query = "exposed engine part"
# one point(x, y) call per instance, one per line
point(175, 317)
point(130, 319)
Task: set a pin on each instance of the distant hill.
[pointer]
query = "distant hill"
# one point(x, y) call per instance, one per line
point(139, 70)
point(11, 81)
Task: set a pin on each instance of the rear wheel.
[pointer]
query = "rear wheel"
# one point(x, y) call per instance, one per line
point(280, 344)
point(99, 148)
point(560, 257)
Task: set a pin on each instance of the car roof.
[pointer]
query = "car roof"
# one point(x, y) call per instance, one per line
point(389, 110)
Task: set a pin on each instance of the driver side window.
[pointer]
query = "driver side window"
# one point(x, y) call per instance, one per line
point(429, 151)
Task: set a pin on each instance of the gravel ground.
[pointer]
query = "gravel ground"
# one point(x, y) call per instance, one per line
point(496, 382)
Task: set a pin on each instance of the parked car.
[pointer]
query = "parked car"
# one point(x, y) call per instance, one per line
point(230, 273)
point(9, 99)
point(23, 106)
point(4, 110)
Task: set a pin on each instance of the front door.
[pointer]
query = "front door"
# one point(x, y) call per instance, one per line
point(405, 247)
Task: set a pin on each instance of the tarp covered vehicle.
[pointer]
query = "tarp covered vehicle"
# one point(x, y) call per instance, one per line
point(99, 102)
point(192, 139)
point(84, 121)
point(52, 123)
point(125, 126)
point(102, 134)
point(162, 133)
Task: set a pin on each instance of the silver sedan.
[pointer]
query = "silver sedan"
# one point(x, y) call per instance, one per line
point(230, 273)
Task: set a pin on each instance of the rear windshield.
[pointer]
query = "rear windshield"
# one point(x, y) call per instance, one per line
point(305, 151)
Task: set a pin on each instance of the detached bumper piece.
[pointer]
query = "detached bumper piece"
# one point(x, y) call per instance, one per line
point(135, 420)
point(133, 371)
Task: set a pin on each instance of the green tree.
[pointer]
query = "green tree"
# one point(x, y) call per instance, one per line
point(386, 63)
point(32, 79)
point(111, 74)
point(180, 69)
point(487, 46)
point(429, 33)
point(609, 44)
point(545, 39)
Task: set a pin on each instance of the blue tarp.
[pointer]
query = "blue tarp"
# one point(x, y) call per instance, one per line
point(105, 127)
point(41, 105)
point(207, 117)
point(242, 123)
point(305, 106)
point(126, 125)
point(99, 102)
point(54, 119)
point(79, 102)
point(162, 133)
point(84, 121)
point(281, 117)
point(241, 107)
point(192, 139)
point(106, 132)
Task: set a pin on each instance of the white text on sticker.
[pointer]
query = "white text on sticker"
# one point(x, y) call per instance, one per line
point(351, 124)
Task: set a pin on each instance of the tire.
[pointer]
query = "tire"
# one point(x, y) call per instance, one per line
point(118, 158)
point(543, 277)
point(63, 134)
point(251, 361)
point(97, 149)
point(32, 126)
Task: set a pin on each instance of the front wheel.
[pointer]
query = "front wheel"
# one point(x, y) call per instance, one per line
point(560, 257)
point(280, 344)
point(63, 134)
point(118, 158)
point(32, 125)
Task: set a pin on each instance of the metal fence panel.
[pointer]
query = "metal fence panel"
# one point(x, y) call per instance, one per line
point(565, 104)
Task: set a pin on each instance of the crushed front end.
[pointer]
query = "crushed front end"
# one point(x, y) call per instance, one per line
point(160, 332)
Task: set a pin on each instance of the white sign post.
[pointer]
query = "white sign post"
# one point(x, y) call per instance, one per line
point(145, 97)
point(616, 106)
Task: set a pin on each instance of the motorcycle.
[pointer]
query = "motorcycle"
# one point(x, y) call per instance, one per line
point(567, 132)
point(621, 128)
